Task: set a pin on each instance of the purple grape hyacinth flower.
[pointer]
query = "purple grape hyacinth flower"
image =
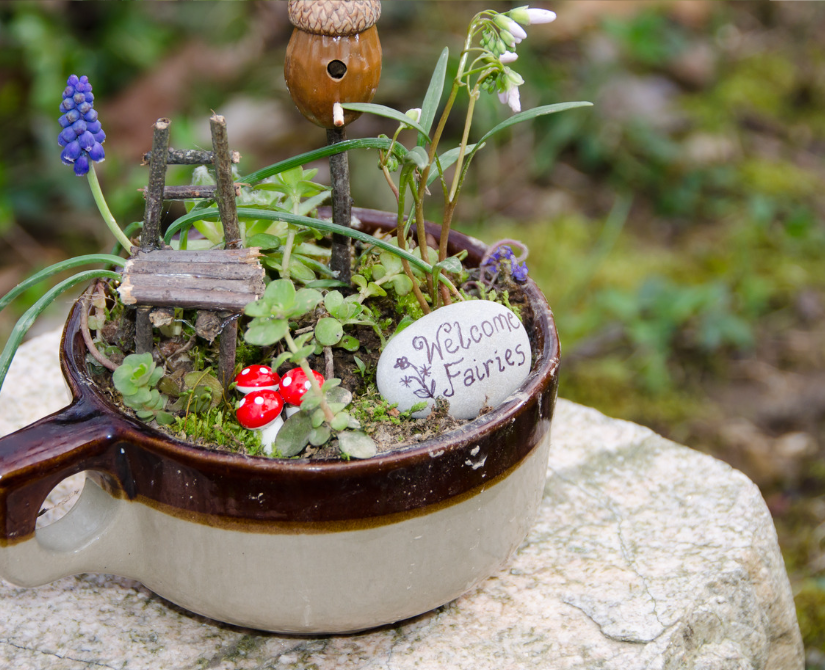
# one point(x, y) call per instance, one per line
point(81, 134)
point(505, 253)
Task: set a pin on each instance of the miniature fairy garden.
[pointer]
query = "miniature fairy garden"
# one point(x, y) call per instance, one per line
point(263, 322)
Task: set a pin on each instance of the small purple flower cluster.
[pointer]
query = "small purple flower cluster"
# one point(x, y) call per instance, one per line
point(505, 253)
point(82, 134)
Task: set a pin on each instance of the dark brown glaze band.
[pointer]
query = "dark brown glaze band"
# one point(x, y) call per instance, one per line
point(217, 488)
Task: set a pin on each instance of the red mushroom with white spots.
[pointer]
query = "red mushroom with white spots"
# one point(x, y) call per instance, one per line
point(294, 384)
point(261, 410)
point(257, 378)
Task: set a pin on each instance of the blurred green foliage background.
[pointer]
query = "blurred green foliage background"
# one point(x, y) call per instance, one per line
point(677, 227)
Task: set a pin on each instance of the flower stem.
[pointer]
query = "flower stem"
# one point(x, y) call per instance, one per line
point(316, 387)
point(94, 184)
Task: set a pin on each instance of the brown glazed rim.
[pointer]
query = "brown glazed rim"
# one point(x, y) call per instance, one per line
point(137, 462)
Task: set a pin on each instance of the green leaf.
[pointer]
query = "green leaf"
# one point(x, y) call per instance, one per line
point(451, 264)
point(447, 159)
point(341, 421)
point(310, 401)
point(319, 436)
point(279, 360)
point(57, 268)
point(122, 379)
point(265, 333)
point(356, 444)
point(317, 417)
point(530, 114)
point(164, 418)
point(402, 284)
point(294, 435)
point(374, 289)
point(433, 96)
point(329, 331)
point(323, 152)
point(333, 301)
point(301, 353)
point(407, 320)
point(387, 112)
point(339, 395)
point(313, 203)
point(304, 339)
point(327, 283)
point(259, 308)
point(418, 157)
point(362, 367)
point(263, 241)
point(280, 292)
point(391, 263)
point(378, 271)
point(350, 343)
point(300, 272)
point(359, 280)
point(330, 384)
point(306, 300)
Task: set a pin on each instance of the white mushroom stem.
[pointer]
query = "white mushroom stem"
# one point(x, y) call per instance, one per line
point(269, 432)
point(291, 409)
point(338, 115)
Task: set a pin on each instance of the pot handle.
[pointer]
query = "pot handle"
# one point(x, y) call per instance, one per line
point(33, 461)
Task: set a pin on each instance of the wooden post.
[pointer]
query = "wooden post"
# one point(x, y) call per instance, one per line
point(225, 197)
point(150, 237)
point(341, 261)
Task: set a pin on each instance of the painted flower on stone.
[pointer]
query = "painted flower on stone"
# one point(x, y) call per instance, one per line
point(403, 363)
point(81, 136)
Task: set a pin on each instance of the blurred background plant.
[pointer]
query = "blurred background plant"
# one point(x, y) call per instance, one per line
point(677, 228)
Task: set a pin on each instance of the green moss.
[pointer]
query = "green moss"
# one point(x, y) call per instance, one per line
point(371, 410)
point(220, 427)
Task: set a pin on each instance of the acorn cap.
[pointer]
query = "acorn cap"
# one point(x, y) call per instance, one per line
point(259, 408)
point(334, 17)
point(256, 377)
point(294, 384)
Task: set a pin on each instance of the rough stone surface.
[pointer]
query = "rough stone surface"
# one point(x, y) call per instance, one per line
point(645, 555)
point(473, 353)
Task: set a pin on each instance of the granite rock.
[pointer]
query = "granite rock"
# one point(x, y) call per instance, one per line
point(472, 353)
point(645, 555)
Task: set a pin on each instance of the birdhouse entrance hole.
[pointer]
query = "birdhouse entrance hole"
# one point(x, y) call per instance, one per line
point(337, 69)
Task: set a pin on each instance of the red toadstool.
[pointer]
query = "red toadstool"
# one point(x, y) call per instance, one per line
point(261, 410)
point(257, 378)
point(294, 384)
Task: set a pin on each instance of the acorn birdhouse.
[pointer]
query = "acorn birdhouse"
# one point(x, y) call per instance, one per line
point(333, 56)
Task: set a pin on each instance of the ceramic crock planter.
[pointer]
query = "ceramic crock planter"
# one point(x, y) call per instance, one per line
point(292, 546)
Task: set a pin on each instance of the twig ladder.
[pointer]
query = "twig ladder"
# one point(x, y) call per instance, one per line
point(220, 281)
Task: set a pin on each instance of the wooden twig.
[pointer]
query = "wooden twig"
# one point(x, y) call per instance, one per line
point(191, 192)
point(224, 280)
point(150, 236)
point(225, 195)
point(226, 355)
point(191, 157)
point(330, 363)
point(340, 261)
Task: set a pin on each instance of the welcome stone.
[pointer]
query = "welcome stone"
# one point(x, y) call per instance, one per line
point(471, 353)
